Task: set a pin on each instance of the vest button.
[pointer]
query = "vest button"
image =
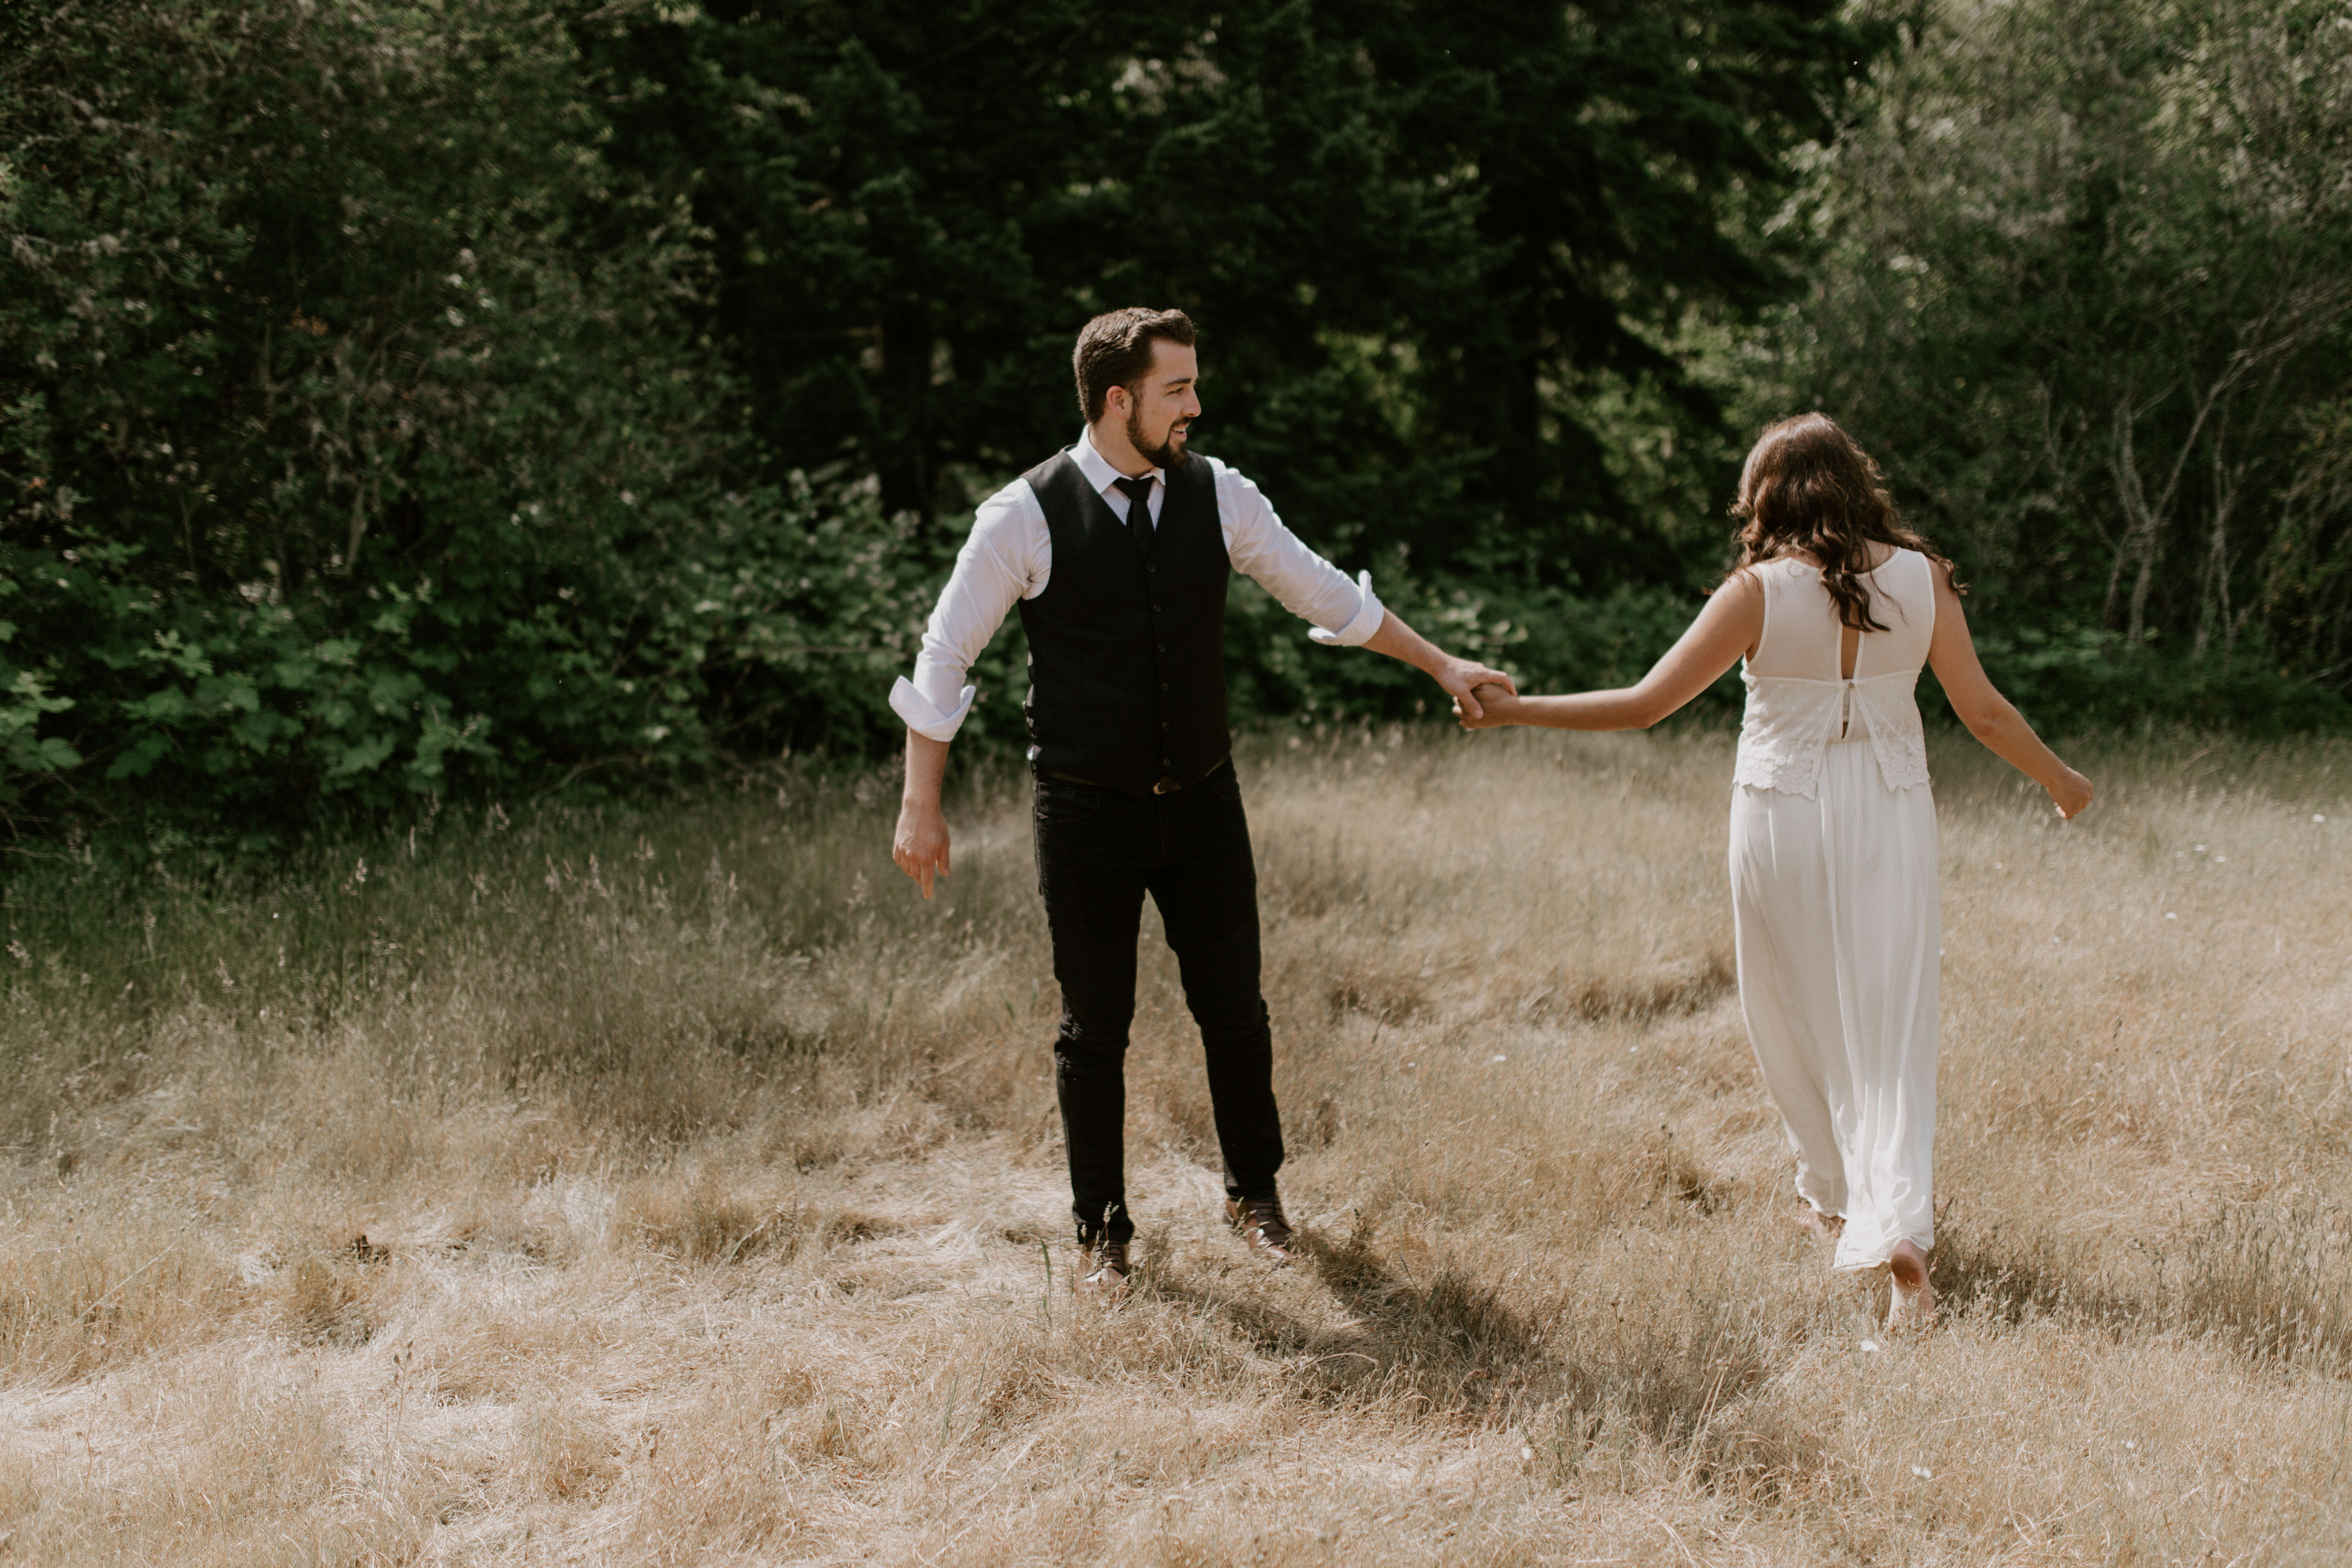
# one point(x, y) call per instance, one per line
point(1155, 609)
point(1151, 568)
point(1163, 648)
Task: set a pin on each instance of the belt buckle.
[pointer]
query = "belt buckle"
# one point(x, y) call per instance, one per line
point(1166, 786)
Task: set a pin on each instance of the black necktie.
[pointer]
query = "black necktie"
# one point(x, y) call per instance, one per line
point(1139, 509)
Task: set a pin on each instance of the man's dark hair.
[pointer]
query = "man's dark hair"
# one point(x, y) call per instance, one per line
point(1114, 350)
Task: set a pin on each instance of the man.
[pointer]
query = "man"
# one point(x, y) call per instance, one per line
point(1118, 551)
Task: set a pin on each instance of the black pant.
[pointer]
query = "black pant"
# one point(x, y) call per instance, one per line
point(1098, 852)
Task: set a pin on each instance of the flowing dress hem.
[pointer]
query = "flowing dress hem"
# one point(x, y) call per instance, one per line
point(1842, 1266)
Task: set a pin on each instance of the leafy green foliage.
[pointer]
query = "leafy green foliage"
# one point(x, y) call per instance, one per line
point(342, 465)
point(2081, 683)
point(530, 395)
point(2087, 288)
point(402, 400)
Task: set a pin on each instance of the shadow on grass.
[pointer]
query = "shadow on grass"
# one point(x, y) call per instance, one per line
point(1453, 1342)
point(1455, 1338)
point(1677, 1366)
point(1667, 1364)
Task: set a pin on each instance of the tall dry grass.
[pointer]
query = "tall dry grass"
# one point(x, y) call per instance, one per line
point(675, 1187)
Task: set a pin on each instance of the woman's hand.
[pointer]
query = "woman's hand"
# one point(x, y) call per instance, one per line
point(1498, 706)
point(2072, 792)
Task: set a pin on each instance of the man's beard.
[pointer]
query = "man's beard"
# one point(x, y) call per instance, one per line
point(1167, 455)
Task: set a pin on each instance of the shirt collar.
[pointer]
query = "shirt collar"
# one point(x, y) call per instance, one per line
point(1097, 468)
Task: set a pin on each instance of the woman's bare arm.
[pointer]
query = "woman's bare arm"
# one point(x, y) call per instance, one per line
point(1989, 716)
point(1732, 625)
point(1728, 627)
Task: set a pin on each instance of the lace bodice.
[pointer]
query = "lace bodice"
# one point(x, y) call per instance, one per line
point(1797, 704)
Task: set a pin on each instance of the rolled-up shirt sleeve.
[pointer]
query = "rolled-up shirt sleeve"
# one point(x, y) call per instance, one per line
point(1340, 612)
point(996, 568)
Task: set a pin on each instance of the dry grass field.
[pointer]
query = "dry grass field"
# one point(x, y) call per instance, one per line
point(677, 1188)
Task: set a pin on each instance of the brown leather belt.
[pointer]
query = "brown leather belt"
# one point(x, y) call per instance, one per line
point(1165, 786)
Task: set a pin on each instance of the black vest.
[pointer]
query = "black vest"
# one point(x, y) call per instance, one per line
point(1127, 664)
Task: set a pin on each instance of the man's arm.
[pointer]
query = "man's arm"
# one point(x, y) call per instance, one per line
point(992, 571)
point(1344, 614)
point(1458, 677)
point(921, 845)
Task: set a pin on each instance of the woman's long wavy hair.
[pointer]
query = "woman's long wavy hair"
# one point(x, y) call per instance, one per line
point(1809, 487)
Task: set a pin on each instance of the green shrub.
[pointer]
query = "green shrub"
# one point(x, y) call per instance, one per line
point(2082, 681)
point(341, 470)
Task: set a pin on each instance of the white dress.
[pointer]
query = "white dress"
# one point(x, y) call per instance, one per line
point(1834, 890)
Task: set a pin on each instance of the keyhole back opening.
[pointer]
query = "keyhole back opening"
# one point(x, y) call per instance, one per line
point(1849, 651)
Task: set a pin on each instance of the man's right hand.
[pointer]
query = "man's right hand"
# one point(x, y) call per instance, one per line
point(920, 847)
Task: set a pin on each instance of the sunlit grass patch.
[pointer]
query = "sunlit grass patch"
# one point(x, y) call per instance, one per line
point(675, 1185)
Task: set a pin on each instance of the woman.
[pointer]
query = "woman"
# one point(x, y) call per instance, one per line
point(1834, 605)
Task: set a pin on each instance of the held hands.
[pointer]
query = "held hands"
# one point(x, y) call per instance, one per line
point(921, 845)
point(1490, 707)
point(1470, 684)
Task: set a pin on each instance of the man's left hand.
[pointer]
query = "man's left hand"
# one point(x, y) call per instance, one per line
point(1461, 679)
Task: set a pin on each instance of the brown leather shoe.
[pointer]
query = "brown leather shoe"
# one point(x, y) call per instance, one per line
point(1102, 1279)
point(1262, 1225)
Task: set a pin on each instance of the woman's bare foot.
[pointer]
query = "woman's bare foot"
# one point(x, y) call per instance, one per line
point(1913, 1303)
point(1814, 1223)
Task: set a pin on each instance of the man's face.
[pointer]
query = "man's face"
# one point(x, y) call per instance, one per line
point(1164, 404)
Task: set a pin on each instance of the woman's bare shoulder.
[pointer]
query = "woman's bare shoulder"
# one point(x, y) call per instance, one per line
point(1743, 585)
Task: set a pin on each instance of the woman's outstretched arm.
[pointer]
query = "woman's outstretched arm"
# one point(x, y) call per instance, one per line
point(1728, 627)
point(1989, 716)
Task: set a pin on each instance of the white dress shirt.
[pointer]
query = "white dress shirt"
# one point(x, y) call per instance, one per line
point(1010, 556)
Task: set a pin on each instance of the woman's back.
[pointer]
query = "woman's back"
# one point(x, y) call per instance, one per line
point(1802, 633)
point(1799, 701)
